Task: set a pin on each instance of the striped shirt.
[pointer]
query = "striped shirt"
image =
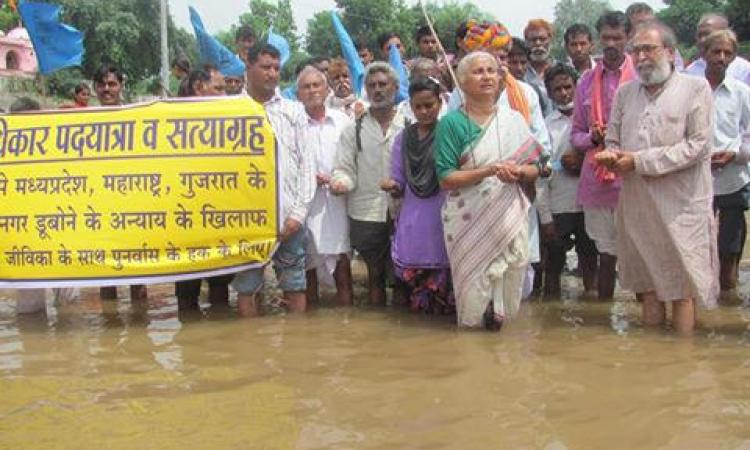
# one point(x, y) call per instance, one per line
point(295, 166)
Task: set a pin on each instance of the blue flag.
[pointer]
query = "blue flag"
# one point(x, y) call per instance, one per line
point(57, 45)
point(394, 59)
point(213, 52)
point(356, 68)
point(280, 44)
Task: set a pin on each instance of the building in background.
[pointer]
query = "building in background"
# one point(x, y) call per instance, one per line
point(17, 58)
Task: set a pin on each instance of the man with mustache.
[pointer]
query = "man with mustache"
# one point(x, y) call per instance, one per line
point(579, 43)
point(363, 160)
point(659, 141)
point(538, 35)
point(343, 97)
point(730, 153)
point(205, 81)
point(739, 68)
point(108, 82)
point(640, 13)
point(598, 188)
point(296, 183)
point(327, 247)
point(518, 65)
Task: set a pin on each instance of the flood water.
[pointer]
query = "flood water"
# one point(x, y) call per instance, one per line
point(567, 374)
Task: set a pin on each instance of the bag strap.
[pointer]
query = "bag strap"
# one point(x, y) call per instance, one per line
point(358, 132)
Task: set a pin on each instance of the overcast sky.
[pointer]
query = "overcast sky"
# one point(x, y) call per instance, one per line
point(221, 14)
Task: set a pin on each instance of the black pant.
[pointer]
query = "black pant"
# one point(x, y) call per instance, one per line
point(188, 291)
point(732, 226)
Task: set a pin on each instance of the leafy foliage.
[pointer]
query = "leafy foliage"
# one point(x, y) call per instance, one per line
point(569, 12)
point(124, 33)
point(8, 18)
point(368, 19)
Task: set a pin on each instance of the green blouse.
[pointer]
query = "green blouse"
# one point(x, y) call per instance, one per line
point(453, 136)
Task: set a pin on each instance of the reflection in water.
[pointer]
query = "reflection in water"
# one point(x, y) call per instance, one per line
point(568, 374)
point(163, 326)
point(11, 347)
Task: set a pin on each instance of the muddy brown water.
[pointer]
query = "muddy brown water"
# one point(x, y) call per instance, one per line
point(567, 374)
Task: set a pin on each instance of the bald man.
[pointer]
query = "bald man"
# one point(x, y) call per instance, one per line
point(739, 69)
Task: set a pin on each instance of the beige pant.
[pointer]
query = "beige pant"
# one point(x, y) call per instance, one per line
point(600, 226)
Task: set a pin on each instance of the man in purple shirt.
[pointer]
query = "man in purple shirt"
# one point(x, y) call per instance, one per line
point(599, 198)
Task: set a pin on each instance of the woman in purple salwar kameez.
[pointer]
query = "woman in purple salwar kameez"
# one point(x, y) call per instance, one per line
point(419, 256)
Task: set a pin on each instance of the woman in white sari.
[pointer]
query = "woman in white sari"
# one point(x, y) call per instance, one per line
point(482, 153)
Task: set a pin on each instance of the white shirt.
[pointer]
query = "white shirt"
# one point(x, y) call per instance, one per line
point(557, 194)
point(739, 69)
point(327, 224)
point(333, 102)
point(731, 121)
point(592, 64)
point(537, 127)
point(295, 166)
point(362, 171)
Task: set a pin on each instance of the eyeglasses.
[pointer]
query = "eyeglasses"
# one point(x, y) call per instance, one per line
point(648, 49)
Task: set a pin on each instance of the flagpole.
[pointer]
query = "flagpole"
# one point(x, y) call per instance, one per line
point(440, 45)
point(164, 72)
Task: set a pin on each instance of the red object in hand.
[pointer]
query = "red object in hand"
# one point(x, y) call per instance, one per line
point(604, 175)
point(601, 173)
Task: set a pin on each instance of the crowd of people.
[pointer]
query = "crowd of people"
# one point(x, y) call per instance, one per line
point(465, 197)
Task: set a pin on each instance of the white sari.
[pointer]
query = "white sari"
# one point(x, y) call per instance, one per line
point(486, 225)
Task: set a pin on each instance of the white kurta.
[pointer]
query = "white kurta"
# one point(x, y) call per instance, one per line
point(327, 223)
point(666, 238)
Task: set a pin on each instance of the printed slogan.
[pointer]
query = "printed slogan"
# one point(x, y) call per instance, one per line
point(147, 193)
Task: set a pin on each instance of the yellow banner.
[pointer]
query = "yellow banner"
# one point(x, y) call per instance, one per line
point(146, 193)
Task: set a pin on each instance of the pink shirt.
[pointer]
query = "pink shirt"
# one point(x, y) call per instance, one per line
point(591, 192)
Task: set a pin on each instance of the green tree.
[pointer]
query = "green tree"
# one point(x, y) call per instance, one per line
point(569, 12)
point(683, 16)
point(8, 18)
point(263, 13)
point(321, 39)
point(739, 13)
point(446, 17)
point(367, 19)
point(124, 33)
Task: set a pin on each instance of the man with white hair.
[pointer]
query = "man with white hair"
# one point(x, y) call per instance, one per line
point(327, 246)
point(659, 140)
point(739, 68)
point(363, 160)
point(598, 189)
point(730, 152)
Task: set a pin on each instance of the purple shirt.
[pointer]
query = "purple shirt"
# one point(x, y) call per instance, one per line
point(418, 242)
point(591, 192)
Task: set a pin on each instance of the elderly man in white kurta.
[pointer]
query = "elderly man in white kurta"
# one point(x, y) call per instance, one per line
point(327, 247)
point(659, 139)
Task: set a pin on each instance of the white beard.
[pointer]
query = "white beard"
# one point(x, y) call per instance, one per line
point(539, 57)
point(658, 75)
